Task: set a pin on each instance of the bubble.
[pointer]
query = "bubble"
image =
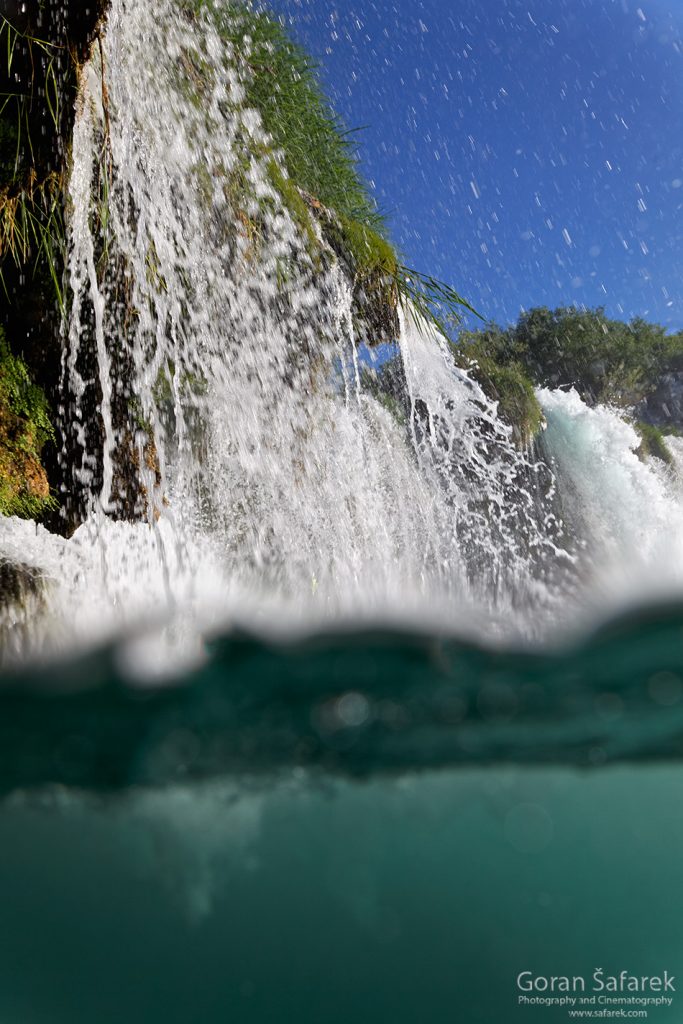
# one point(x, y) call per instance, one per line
point(353, 709)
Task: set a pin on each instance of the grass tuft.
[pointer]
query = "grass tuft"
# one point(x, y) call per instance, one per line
point(32, 228)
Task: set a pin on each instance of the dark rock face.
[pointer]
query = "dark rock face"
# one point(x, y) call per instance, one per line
point(20, 13)
point(17, 582)
point(74, 19)
point(65, 28)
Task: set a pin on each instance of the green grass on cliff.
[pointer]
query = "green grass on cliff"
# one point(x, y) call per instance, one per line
point(282, 84)
point(320, 178)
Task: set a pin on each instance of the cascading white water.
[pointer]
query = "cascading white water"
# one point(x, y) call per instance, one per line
point(626, 512)
point(270, 491)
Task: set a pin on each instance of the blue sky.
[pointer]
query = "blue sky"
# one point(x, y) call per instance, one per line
point(530, 153)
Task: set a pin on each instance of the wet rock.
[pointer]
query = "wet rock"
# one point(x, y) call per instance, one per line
point(23, 596)
point(18, 582)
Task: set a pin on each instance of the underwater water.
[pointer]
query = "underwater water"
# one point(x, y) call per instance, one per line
point(411, 899)
point(367, 708)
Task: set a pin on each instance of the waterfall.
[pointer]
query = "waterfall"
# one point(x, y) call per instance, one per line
point(235, 465)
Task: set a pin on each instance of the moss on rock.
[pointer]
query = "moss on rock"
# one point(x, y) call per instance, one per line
point(25, 428)
point(652, 444)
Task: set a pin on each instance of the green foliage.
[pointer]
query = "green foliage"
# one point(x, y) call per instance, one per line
point(16, 104)
point(371, 253)
point(653, 444)
point(8, 150)
point(295, 203)
point(23, 397)
point(32, 227)
point(371, 263)
point(42, 56)
point(25, 427)
point(605, 360)
point(383, 282)
point(435, 301)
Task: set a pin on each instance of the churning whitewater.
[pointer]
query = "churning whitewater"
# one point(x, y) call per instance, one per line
point(272, 485)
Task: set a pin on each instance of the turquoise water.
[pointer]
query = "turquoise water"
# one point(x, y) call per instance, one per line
point(316, 900)
point(366, 826)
